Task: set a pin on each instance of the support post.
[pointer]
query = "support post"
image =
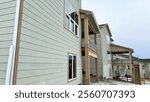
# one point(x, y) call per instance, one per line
point(87, 57)
point(131, 66)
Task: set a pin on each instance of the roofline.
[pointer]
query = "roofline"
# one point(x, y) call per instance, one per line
point(91, 16)
point(122, 47)
point(107, 28)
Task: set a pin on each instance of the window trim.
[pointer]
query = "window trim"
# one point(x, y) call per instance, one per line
point(70, 21)
point(72, 55)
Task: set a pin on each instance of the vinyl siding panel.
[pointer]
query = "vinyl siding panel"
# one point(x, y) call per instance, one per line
point(45, 44)
point(7, 19)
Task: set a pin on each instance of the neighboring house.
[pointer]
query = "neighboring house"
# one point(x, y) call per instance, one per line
point(146, 67)
point(90, 58)
point(44, 40)
point(122, 66)
point(138, 69)
point(103, 45)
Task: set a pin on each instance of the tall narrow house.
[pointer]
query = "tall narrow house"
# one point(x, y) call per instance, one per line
point(104, 40)
point(40, 42)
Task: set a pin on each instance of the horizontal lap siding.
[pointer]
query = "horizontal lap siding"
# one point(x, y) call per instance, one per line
point(45, 43)
point(7, 18)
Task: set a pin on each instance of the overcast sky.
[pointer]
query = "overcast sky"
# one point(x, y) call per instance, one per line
point(129, 22)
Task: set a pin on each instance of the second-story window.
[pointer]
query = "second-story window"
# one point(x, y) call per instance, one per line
point(71, 18)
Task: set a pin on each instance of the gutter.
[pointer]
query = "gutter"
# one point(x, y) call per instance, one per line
point(14, 48)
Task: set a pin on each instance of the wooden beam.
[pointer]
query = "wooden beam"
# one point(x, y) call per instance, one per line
point(87, 57)
point(121, 64)
point(93, 54)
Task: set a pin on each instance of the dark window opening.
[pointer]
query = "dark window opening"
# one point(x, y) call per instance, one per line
point(72, 67)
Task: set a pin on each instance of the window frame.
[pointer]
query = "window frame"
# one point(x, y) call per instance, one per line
point(71, 20)
point(72, 69)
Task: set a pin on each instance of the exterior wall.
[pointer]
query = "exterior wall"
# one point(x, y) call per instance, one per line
point(147, 70)
point(45, 44)
point(92, 66)
point(7, 19)
point(142, 71)
point(103, 48)
point(99, 49)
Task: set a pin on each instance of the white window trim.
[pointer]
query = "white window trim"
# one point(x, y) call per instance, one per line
point(72, 67)
point(70, 19)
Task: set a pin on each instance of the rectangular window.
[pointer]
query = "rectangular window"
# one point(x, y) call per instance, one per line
point(74, 67)
point(76, 29)
point(71, 18)
point(70, 67)
point(72, 70)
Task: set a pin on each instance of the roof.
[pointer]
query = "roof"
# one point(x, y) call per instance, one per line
point(92, 19)
point(107, 26)
point(145, 60)
point(137, 58)
point(117, 49)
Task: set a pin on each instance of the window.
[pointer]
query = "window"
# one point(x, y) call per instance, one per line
point(67, 23)
point(71, 18)
point(72, 73)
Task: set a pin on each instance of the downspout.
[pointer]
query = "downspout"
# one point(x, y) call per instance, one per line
point(14, 48)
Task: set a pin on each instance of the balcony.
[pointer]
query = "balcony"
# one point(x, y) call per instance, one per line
point(120, 61)
point(91, 45)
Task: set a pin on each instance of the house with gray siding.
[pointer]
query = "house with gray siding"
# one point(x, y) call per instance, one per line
point(40, 42)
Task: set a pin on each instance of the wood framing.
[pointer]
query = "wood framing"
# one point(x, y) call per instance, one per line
point(137, 78)
point(87, 57)
point(89, 26)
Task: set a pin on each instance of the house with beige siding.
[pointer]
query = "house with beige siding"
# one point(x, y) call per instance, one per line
point(40, 42)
